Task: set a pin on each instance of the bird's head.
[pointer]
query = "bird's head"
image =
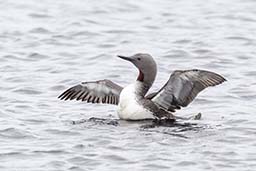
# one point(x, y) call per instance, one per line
point(146, 65)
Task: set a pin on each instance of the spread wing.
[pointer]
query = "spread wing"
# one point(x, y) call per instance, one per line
point(183, 86)
point(102, 91)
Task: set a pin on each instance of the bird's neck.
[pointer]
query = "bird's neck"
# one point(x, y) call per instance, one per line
point(141, 89)
point(144, 82)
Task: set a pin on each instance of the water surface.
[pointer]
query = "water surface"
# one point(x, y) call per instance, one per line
point(49, 46)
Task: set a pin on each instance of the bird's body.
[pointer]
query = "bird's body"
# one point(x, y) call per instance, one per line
point(129, 107)
point(133, 103)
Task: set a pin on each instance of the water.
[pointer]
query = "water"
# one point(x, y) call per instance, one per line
point(48, 46)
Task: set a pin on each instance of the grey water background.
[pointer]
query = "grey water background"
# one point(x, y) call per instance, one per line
point(47, 46)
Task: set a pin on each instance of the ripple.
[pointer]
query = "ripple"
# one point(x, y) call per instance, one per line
point(61, 132)
point(57, 87)
point(40, 30)
point(56, 164)
point(39, 16)
point(9, 154)
point(106, 45)
point(14, 133)
point(27, 90)
point(83, 33)
point(37, 56)
point(182, 41)
point(116, 158)
point(82, 161)
point(55, 151)
point(177, 54)
point(79, 146)
point(11, 57)
point(78, 160)
point(156, 166)
point(186, 163)
point(117, 31)
point(202, 51)
point(240, 39)
point(75, 168)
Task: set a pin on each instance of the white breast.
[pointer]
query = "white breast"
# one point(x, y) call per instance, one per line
point(129, 108)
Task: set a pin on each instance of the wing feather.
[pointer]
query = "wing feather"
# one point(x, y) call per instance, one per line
point(183, 86)
point(102, 91)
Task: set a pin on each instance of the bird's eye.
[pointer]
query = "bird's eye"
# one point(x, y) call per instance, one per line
point(138, 59)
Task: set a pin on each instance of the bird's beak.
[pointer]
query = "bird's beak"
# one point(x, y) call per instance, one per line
point(125, 58)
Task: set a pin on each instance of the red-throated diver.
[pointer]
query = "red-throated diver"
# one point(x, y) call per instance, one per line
point(133, 104)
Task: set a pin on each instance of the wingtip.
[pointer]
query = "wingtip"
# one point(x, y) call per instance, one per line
point(220, 78)
point(223, 79)
point(64, 95)
point(59, 97)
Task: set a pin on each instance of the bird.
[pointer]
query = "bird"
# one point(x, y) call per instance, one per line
point(134, 102)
